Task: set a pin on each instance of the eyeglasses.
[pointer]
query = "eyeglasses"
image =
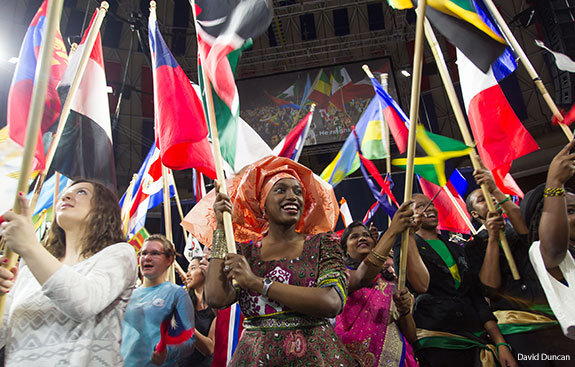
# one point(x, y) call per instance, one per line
point(151, 253)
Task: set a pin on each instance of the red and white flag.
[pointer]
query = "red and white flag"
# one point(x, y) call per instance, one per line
point(500, 136)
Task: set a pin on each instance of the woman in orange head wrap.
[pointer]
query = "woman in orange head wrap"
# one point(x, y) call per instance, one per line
point(290, 273)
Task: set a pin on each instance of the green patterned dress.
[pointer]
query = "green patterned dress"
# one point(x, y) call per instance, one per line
point(276, 336)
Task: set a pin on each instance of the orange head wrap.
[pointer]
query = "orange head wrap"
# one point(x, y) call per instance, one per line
point(248, 191)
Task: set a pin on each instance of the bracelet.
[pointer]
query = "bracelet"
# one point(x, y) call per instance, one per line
point(405, 313)
point(267, 285)
point(376, 259)
point(507, 198)
point(378, 256)
point(219, 247)
point(553, 192)
point(507, 345)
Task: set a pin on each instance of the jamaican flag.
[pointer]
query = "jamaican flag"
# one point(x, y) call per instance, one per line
point(436, 156)
point(463, 23)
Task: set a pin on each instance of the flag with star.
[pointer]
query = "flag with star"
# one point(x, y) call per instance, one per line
point(436, 156)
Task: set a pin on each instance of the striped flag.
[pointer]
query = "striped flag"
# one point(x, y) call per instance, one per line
point(20, 93)
point(138, 239)
point(229, 327)
point(345, 212)
point(370, 131)
point(293, 143)
point(85, 148)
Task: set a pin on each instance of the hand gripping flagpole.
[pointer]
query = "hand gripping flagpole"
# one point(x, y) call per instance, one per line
point(41, 77)
point(530, 69)
point(88, 46)
point(227, 217)
point(467, 138)
point(413, 118)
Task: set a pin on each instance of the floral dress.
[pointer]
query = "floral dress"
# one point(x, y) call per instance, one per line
point(276, 336)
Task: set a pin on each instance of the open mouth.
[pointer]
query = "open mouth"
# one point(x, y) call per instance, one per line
point(291, 208)
point(147, 266)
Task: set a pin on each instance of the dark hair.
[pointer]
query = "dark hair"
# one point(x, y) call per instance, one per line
point(102, 227)
point(192, 293)
point(347, 232)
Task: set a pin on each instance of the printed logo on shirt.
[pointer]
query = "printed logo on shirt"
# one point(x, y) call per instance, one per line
point(159, 302)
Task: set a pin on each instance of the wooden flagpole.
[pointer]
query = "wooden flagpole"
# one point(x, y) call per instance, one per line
point(179, 204)
point(56, 188)
point(530, 69)
point(387, 143)
point(305, 132)
point(168, 216)
point(467, 138)
point(88, 46)
point(41, 77)
point(460, 210)
point(413, 118)
point(126, 205)
point(227, 217)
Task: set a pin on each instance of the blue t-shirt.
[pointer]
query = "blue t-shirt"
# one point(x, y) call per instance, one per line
point(148, 307)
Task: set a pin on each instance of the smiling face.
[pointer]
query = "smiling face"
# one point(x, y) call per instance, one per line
point(153, 260)
point(284, 204)
point(74, 205)
point(194, 277)
point(359, 243)
point(429, 219)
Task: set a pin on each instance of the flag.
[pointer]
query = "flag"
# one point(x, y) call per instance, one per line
point(193, 248)
point(223, 27)
point(147, 192)
point(180, 123)
point(46, 197)
point(199, 185)
point(369, 131)
point(306, 91)
point(345, 212)
point(432, 152)
point(248, 146)
point(367, 166)
point(447, 216)
point(20, 92)
point(173, 331)
point(138, 239)
point(499, 134)
point(85, 148)
point(289, 93)
point(229, 327)
point(340, 79)
point(282, 103)
point(293, 143)
point(375, 206)
point(394, 116)
point(11, 155)
point(321, 90)
point(562, 61)
point(460, 23)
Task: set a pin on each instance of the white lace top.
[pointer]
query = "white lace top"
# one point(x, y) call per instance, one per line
point(75, 319)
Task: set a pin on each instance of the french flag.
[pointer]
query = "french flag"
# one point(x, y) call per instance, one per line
point(147, 192)
point(85, 148)
point(292, 144)
point(180, 123)
point(20, 93)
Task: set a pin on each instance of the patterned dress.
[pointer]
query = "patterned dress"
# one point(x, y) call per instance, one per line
point(276, 336)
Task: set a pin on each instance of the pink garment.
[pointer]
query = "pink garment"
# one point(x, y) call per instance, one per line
point(366, 330)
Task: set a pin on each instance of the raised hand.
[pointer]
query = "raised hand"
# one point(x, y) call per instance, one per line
point(402, 218)
point(18, 229)
point(562, 167)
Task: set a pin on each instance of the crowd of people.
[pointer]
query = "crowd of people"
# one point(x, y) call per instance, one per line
point(308, 296)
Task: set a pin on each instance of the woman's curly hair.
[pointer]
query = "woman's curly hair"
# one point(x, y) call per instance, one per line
point(102, 227)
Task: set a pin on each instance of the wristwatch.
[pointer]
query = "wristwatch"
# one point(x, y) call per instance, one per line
point(267, 284)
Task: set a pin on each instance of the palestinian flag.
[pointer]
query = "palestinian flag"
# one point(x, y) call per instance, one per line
point(321, 90)
point(85, 149)
point(460, 22)
point(436, 156)
point(224, 27)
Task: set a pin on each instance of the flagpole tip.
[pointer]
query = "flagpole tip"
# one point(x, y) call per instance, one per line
point(152, 4)
point(312, 107)
point(367, 71)
point(104, 6)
